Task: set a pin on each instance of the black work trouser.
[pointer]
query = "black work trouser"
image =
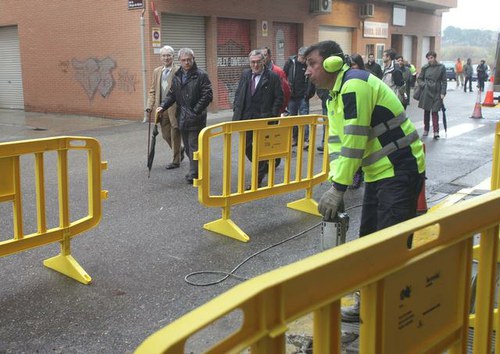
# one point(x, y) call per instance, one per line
point(190, 141)
point(390, 201)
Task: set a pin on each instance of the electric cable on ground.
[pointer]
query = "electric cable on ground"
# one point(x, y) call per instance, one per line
point(231, 273)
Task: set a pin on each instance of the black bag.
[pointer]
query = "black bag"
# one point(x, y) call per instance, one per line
point(417, 93)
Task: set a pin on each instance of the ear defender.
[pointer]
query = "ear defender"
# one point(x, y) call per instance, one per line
point(333, 64)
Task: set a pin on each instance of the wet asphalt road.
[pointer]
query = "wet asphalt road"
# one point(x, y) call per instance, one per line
point(151, 235)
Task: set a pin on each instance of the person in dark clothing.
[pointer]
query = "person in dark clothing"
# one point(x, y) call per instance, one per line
point(404, 90)
point(301, 91)
point(468, 71)
point(192, 91)
point(357, 62)
point(259, 95)
point(324, 95)
point(482, 75)
point(373, 66)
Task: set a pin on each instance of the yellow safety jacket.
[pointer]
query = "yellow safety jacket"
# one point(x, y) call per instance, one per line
point(368, 127)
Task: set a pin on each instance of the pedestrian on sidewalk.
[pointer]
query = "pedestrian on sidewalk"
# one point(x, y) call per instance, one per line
point(160, 85)
point(285, 85)
point(482, 75)
point(192, 91)
point(468, 72)
point(459, 73)
point(373, 67)
point(302, 90)
point(259, 95)
point(433, 82)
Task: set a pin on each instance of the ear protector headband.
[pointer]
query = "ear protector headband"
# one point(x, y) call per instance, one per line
point(333, 63)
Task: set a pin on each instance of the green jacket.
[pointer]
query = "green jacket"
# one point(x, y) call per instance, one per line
point(368, 127)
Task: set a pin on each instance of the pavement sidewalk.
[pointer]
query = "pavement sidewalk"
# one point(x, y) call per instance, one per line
point(21, 125)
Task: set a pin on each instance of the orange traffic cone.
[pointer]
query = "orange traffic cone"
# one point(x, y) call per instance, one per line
point(488, 99)
point(422, 202)
point(477, 107)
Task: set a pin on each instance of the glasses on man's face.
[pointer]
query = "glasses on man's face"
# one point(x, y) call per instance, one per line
point(255, 62)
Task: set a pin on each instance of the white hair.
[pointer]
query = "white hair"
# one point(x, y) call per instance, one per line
point(256, 52)
point(167, 50)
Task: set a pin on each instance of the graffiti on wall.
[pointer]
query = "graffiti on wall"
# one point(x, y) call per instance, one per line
point(126, 80)
point(94, 75)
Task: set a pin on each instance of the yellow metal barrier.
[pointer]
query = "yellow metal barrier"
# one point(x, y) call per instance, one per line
point(487, 253)
point(10, 191)
point(413, 300)
point(272, 139)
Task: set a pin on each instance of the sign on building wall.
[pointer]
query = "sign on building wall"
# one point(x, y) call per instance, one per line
point(156, 37)
point(375, 29)
point(265, 28)
point(135, 4)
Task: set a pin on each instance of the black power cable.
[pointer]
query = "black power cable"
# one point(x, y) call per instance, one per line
point(231, 273)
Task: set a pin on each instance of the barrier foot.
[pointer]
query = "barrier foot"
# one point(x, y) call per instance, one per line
point(306, 205)
point(68, 266)
point(228, 228)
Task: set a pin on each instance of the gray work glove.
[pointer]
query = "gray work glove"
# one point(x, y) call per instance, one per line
point(331, 201)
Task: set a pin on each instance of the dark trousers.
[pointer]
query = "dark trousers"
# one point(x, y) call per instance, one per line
point(390, 201)
point(469, 80)
point(480, 83)
point(190, 141)
point(263, 165)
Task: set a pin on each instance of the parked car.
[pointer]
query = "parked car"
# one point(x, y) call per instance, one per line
point(450, 70)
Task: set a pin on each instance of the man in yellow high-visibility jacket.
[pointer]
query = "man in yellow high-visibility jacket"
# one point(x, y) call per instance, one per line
point(368, 127)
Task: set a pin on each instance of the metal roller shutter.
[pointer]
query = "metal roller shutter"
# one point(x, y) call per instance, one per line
point(179, 31)
point(11, 83)
point(341, 35)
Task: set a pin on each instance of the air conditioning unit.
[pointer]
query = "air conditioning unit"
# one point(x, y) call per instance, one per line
point(320, 6)
point(366, 10)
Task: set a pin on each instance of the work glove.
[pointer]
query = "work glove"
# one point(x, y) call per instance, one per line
point(331, 201)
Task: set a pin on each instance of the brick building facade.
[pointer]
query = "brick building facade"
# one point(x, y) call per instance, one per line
point(87, 57)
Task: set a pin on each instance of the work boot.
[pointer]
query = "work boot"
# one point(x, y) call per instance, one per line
point(351, 313)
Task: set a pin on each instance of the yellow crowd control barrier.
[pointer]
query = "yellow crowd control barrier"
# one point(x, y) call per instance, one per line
point(487, 253)
point(414, 300)
point(272, 140)
point(11, 192)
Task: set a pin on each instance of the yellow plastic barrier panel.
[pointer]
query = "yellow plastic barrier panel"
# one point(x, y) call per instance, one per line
point(271, 142)
point(414, 299)
point(11, 192)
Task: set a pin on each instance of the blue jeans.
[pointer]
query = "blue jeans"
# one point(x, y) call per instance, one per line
point(299, 106)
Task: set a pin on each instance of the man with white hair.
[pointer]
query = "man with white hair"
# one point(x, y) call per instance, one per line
point(162, 80)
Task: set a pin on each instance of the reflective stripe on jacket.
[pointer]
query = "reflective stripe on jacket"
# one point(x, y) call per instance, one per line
point(369, 128)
